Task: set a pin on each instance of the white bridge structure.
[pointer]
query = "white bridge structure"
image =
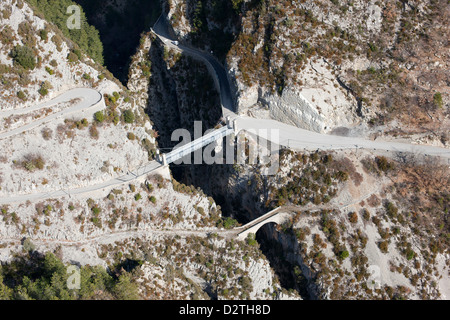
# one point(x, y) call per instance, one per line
point(197, 144)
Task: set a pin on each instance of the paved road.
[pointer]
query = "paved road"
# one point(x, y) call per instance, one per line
point(297, 138)
point(88, 190)
point(88, 99)
point(289, 136)
point(215, 135)
point(161, 29)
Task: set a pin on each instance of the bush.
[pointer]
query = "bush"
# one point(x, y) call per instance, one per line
point(32, 162)
point(43, 92)
point(99, 116)
point(47, 133)
point(230, 223)
point(96, 210)
point(93, 131)
point(49, 70)
point(384, 245)
point(131, 136)
point(437, 99)
point(72, 57)
point(128, 116)
point(410, 254)
point(353, 217)
point(383, 164)
point(21, 95)
point(43, 34)
point(251, 239)
point(344, 254)
point(46, 86)
point(24, 56)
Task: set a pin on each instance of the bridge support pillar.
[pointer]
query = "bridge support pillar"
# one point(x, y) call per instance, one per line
point(164, 160)
point(235, 127)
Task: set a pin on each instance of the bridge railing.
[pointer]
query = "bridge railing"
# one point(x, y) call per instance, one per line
point(197, 144)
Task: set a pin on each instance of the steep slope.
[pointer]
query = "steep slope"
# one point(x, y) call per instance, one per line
point(361, 67)
point(106, 135)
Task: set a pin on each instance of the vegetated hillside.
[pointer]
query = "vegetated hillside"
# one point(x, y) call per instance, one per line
point(87, 37)
point(121, 24)
point(370, 62)
point(356, 214)
point(137, 225)
point(36, 58)
point(37, 62)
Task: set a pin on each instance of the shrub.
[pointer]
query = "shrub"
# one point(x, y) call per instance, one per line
point(46, 133)
point(49, 70)
point(46, 86)
point(43, 92)
point(131, 136)
point(410, 254)
point(32, 162)
point(391, 210)
point(230, 223)
point(28, 245)
point(384, 245)
point(43, 34)
point(93, 131)
point(152, 199)
point(344, 254)
point(21, 95)
point(72, 57)
point(96, 210)
point(24, 56)
point(437, 99)
point(137, 197)
point(251, 239)
point(99, 116)
point(128, 116)
point(353, 217)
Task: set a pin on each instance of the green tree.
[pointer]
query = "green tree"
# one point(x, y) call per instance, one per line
point(251, 239)
point(24, 56)
point(344, 254)
point(437, 99)
point(5, 291)
point(99, 116)
point(125, 289)
point(128, 116)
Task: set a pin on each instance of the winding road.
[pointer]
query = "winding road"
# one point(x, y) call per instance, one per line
point(289, 136)
point(90, 101)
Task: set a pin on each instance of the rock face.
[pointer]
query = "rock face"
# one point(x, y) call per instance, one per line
point(293, 108)
point(153, 212)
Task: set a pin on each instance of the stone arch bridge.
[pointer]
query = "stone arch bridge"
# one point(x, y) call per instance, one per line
point(279, 216)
